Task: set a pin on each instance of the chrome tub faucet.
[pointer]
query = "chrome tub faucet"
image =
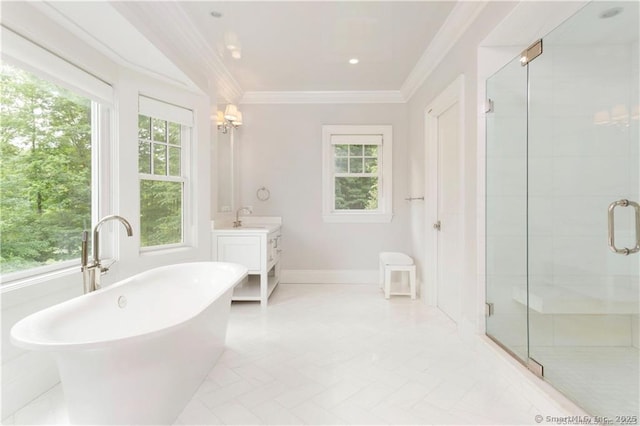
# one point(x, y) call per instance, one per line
point(91, 273)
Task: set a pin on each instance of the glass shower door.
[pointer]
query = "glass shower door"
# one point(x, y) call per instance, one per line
point(582, 157)
point(506, 208)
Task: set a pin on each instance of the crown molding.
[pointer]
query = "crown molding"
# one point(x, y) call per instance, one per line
point(324, 97)
point(457, 23)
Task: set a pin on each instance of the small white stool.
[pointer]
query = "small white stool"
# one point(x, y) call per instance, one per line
point(400, 262)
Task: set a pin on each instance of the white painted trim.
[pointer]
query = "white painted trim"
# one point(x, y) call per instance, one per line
point(459, 20)
point(160, 109)
point(454, 93)
point(28, 277)
point(324, 97)
point(36, 58)
point(329, 276)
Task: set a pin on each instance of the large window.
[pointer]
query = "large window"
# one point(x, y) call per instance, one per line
point(163, 151)
point(54, 122)
point(46, 174)
point(357, 173)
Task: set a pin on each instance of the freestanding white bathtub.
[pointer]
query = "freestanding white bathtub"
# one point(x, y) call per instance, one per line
point(135, 352)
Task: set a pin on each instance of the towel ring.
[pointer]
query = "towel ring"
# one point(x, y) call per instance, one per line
point(263, 194)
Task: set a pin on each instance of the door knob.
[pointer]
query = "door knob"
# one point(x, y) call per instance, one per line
point(437, 225)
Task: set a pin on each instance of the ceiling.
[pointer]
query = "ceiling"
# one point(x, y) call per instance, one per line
point(306, 46)
point(276, 51)
point(619, 25)
point(288, 51)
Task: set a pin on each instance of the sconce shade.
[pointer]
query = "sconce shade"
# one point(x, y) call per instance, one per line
point(231, 118)
point(220, 118)
point(238, 121)
point(231, 112)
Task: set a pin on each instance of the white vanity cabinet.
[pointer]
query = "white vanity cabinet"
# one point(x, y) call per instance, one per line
point(258, 248)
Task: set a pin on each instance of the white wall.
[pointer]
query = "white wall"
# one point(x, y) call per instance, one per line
point(25, 375)
point(280, 147)
point(461, 59)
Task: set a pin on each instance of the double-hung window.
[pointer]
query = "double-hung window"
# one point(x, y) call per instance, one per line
point(54, 117)
point(357, 173)
point(164, 141)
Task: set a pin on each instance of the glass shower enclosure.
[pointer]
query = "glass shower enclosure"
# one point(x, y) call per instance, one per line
point(562, 219)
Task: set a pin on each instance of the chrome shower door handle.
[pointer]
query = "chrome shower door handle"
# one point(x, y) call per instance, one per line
point(612, 242)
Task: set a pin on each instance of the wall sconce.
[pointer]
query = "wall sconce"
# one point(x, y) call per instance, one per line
point(231, 117)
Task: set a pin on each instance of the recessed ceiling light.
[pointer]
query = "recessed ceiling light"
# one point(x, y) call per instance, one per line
point(610, 13)
point(353, 61)
point(216, 14)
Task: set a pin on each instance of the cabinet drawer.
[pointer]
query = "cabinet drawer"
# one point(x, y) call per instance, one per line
point(242, 250)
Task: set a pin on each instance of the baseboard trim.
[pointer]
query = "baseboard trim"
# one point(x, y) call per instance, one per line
point(329, 276)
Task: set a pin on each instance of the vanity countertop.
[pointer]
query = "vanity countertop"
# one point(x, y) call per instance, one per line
point(250, 225)
point(250, 228)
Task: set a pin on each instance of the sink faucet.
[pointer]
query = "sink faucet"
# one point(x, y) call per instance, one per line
point(238, 223)
point(91, 273)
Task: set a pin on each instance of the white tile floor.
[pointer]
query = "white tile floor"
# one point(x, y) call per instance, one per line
point(342, 354)
point(605, 379)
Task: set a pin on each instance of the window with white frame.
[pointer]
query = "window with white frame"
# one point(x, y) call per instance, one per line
point(164, 140)
point(54, 116)
point(357, 178)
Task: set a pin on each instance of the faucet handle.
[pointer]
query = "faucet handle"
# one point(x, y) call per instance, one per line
point(105, 268)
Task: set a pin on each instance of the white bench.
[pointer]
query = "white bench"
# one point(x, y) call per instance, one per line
point(398, 262)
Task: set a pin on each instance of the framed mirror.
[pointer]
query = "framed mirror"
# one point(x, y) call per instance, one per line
point(225, 171)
